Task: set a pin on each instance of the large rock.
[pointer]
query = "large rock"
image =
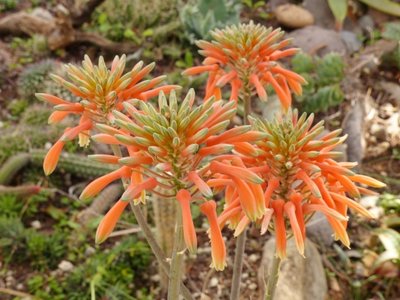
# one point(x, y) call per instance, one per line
point(293, 16)
point(300, 278)
point(322, 13)
point(314, 39)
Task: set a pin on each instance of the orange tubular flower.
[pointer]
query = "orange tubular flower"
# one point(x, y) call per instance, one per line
point(101, 90)
point(171, 145)
point(296, 160)
point(189, 232)
point(246, 56)
point(218, 250)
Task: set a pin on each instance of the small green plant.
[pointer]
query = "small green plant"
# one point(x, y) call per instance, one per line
point(198, 19)
point(324, 76)
point(6, 5)
point(390, 203)
point(17, 107)
point(109, 275)
point(34, 77)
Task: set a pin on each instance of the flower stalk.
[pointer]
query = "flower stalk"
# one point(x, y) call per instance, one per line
point(175, 273)
point(273, 277)
point(241, 239)
point(150, 238)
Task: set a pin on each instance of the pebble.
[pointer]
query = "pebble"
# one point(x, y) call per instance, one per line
point(90, 251)
point(213, 282)
point(253, 257)
point(36, 224)
point(252, 286)
point(65, 266)
point(293, 16)
point(155, 278)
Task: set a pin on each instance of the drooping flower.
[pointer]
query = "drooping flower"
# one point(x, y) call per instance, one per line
point(297, 162)
point(101, 90)
point(246, 56)
point(170, 146)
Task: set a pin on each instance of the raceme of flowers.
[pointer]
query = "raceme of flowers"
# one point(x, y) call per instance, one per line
point(247, 57)
point(169, 148)
point(102, 90)
point(297, 162)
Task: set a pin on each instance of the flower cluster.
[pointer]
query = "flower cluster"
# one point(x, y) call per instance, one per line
point(101, 90)
point(246, 56)
point(169, 148)
point(297, 162)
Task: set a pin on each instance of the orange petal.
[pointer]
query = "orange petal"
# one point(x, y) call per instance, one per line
point(154, 92)
point(51, 99)
point(324, 192)
point(51, 158)
point(273, 184)
point(280, 230)
point(189, 232)
point(367, 180)
point(259, 88)
point(218, 250)
point(296, 199)
point(200, 69)
point(105, 139)
point(243, 223)
point(309, 208)
point(57, 116)
point(238, 172)
point(109, 221)
point(309, 183)
point(266, 220)
point(226, 78)
point(297, 232)
point(352, 204)
point(100, 183)
point(134, 189)
point(200, 184)
point(247, 200)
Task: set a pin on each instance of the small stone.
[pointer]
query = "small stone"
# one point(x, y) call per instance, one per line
point(353, 44)
point(252, 286)
point(293, 16)
point(213, 282)
point(369, 201)
point(65, 266)
point(366, 23)
point(36, 224)
point(245, 276)
point(155, 278)
point(20, 286)
point(253, 257)
point(90, 251)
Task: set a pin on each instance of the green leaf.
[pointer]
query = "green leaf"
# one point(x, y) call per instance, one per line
point(386, 6)
point(339, 9)
point(302, 63)
point(391, 241)
point(391, 31)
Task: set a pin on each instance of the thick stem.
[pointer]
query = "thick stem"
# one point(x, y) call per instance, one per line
point(151, 240)
point(175, 274)
point(241, 239)
point(273, 276)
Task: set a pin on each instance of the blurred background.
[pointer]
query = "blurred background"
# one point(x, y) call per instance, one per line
point(351, 60)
